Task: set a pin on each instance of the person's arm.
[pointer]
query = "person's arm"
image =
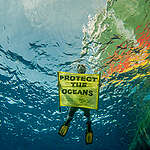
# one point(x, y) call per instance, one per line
point(100, 83)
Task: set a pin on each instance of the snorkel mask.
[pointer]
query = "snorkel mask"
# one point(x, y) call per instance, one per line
point(81, 68)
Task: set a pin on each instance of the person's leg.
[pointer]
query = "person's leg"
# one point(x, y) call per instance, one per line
point(89, 132)
point(87, 115)
point(71, 113)
point(64, 128)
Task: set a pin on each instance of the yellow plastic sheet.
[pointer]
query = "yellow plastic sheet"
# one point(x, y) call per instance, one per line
point(78, 90)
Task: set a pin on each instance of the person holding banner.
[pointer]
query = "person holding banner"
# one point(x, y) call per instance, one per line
point(81, 69)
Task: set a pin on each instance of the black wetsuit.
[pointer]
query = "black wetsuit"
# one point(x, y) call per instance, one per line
point(72, 111)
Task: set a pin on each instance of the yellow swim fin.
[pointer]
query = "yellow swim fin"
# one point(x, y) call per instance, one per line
point(63, 130)
point(89, 137)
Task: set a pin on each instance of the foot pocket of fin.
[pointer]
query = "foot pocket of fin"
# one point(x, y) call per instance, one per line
point(89, 137)
point(63, 130)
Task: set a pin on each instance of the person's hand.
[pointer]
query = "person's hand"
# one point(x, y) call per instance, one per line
point(100, 84)
point(58, 85)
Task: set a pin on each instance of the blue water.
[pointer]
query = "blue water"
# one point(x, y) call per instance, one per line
point(39, 38)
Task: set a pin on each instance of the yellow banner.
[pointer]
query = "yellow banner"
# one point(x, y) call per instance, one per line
point(78, 90)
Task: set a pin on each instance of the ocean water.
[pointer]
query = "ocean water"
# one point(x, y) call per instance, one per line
point(41, 37)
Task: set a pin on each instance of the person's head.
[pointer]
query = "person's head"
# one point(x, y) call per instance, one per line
point(81, 68)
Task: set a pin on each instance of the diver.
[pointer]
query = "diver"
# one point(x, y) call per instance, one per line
point(64, 128)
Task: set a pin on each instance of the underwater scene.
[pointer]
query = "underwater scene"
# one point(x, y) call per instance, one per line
point(39, 38)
